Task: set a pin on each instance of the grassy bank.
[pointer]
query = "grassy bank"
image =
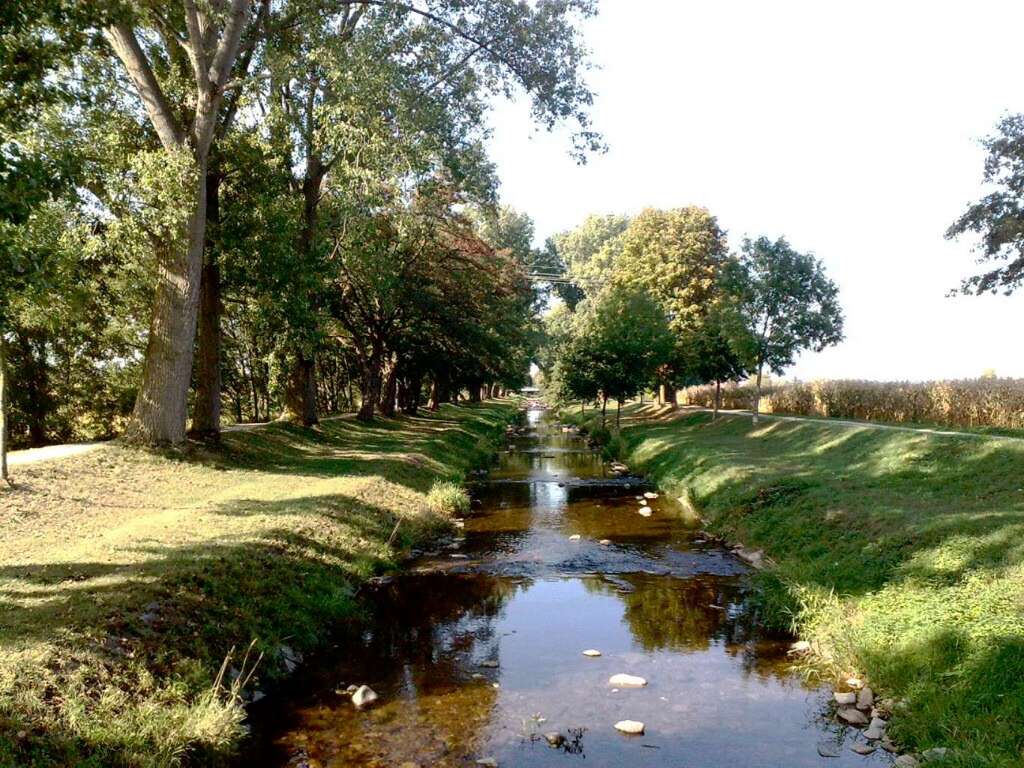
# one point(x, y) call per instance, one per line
point(127, 577)
point(900, 554)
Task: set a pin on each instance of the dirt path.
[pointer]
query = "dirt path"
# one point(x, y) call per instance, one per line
point(32, 455)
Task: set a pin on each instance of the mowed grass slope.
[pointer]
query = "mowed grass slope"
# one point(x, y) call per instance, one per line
point(900, 554)
point(126, 577)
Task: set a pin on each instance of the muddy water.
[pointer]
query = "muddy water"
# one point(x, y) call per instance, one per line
point(477, 652)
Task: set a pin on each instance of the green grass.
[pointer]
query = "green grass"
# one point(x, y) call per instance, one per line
point(901, 555)
point(127, 577)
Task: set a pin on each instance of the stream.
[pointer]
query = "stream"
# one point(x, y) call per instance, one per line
point(476, 651)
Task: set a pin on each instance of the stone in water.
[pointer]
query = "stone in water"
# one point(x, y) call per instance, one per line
point(593, 653)
point(844, 699)
point(630, 726)
point(645, 512)
point(650, 495)
point(622, 680)
point(364, 696)
point(605, 542)
point(574, 537)
point(853, 716)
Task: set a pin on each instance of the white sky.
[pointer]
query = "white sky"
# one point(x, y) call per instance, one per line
point(849, 128)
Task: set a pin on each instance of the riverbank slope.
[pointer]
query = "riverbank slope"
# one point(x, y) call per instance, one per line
point(127, 576)
point(899, 554)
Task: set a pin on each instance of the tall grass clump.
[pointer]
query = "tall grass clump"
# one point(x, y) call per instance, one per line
point(448, 499)
point(971, 403)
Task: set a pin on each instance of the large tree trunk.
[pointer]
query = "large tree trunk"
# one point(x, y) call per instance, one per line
point(474, 387)
point(4, 476)
point(389, 388)
point(604, 409)
point(370, 386)
point(162, 402)
point(207, 406)
point(300, 392)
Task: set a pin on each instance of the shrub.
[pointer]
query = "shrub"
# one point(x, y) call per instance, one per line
point(987, 402)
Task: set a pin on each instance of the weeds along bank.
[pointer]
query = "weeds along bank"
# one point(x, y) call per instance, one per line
point(900, 555)
point(127, 576)
point(971, 403)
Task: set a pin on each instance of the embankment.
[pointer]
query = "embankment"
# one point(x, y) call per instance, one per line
point(900, 555)
point(127, 577)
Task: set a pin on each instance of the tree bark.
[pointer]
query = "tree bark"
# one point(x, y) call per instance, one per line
point(370, 386)
point(207, 407)
point(604, 408)
point(389, 389)
point(474, 387)
point(4, 475)
point(300, 392)
point(618, 413)
point(718, 398)
point(162, 402)
point(160, 407)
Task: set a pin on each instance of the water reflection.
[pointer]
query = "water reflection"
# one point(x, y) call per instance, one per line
point(481, 657)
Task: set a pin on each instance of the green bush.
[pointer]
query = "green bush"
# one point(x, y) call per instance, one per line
point(448, 499)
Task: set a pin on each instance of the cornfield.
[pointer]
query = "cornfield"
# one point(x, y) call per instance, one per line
point(988, 402)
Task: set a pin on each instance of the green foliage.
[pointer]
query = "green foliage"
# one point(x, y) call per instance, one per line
point(783, 304)
point(998, 218)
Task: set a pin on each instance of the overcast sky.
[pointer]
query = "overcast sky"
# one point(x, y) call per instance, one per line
point(850, 128)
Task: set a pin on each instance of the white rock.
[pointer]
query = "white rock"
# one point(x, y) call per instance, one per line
point(853, 716)
point(487, 762)
point(865, 698)
point(364, 696)
point(800, 646)
point(935, 753)
point(863, 749)
point(574, 537)
point(605, 542)
point(643, 502)
point(644, 512)
point(630, 726)
point(650, 495)
point(489, 664)
point(844, 698)
point(854, 682)
point(622, 680)
point(592, 652)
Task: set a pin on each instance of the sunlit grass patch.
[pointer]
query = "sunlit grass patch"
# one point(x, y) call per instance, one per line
point(900, 554)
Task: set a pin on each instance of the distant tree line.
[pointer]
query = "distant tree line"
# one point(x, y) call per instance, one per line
point(659, 301)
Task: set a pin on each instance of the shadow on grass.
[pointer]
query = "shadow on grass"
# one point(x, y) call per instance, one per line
point(455, 436)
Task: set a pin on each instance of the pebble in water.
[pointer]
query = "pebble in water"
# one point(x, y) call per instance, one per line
point(592, 652)
point(623, 680)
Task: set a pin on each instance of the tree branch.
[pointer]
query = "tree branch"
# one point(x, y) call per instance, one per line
point(121, 38)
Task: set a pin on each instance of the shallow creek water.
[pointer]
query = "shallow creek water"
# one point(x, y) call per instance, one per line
point(477, 652)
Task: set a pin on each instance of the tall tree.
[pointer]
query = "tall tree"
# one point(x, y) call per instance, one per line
point(676, 256)
point(202, 41)
point(784, 303)
point(626, 335)
point(998, 218)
